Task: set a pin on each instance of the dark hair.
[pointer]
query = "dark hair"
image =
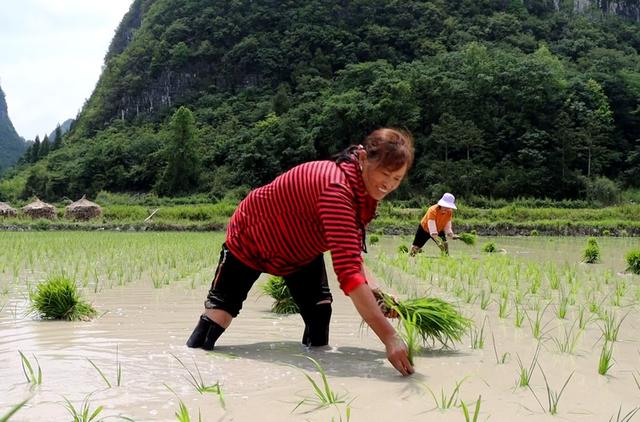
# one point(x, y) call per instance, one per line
point(387, 147)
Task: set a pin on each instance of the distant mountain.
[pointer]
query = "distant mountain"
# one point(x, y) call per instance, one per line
point(64, 128)
point(11, 144)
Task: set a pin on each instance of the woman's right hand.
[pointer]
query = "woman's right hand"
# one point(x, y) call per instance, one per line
point(398, 355)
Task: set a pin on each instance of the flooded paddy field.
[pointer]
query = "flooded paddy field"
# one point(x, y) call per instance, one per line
point(537, 310)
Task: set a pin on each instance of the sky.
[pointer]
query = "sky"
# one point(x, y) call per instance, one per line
point(51, 56)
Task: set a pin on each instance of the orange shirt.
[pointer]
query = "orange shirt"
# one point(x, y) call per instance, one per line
point(441, 216)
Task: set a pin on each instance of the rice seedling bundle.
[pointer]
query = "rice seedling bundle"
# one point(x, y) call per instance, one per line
point(278, 290)
point(58, 298)
point(633, 260)
point(468, 238)
point(489, 247)
point(434, 319)
point(591, 254)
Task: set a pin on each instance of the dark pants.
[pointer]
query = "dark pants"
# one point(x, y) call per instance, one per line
point(308, 286)
point(422, 237)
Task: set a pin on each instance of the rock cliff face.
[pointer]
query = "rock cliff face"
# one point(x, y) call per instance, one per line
point(11, 145)
point(629, 9)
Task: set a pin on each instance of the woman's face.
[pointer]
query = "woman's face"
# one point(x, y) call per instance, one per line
point(380, 181)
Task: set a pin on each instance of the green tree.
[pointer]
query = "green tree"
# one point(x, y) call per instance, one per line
point(45, 147)
point(57, 142)
point(35, 150)
point(181, 174)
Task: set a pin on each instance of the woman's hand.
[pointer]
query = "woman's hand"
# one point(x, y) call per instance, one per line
point(398, 355)
point(388, 311)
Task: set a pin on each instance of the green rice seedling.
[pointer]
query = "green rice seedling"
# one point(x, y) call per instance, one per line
point(569, 342)
point(553, 397)
point(410, 335)
point(468, 238)
point(476, 411)
point(31, 376)
point(626, 417)
point(503, 358)
point(633, 261)
point(13, 411)
point(489, 247)
point(182, 414)
point(583, 318)
point(373, 239)
point(524, 374)
point(403, 249)
point(278, 290)
point(447, 401)
point(610, 326)
point(606, 358)
point(591, 254)
point(58, 298)
point(519, 318)
point(435, 319)
point(84, 413)
point(323, 396)
point(503, 306)
point(477, 336)
point(199, 384)
point(537, 328)
point(104, 378)
point(485, 299)
point(562, 306)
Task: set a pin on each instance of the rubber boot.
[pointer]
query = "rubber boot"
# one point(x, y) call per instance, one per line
point(316, 330)
point(205, 334)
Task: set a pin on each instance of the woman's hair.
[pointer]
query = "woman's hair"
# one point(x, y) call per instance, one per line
point(388, 148)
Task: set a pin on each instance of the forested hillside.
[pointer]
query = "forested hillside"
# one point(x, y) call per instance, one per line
point(505, 98)
point(11, 144)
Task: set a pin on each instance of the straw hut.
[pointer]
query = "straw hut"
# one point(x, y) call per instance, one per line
point(39, 209)
point(82, 209)
point(7, 211)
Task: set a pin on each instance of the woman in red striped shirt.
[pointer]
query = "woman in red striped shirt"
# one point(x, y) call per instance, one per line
point(284, 227)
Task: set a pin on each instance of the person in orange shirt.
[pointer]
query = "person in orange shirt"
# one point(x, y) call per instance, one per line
point(436, 225)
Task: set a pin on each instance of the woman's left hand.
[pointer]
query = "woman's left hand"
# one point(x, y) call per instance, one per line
point(388, 311)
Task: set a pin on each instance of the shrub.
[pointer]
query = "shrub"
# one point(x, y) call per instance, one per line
point(58, 298)
point(603, 191)
point(489, 247)
point(591, 254)
point(633, 260)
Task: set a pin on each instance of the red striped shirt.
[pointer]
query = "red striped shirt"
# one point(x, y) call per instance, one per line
point(313, 208)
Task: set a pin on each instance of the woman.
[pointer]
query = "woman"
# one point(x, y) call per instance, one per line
point(436, 225)
point(284, 227)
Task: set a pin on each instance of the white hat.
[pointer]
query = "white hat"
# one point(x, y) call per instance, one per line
point(448, 201)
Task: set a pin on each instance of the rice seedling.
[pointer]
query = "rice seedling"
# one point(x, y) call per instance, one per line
point(446, 401)
point(591, 254)
point(519, 318)
point(503, 305)
point(104, 377)
point(410, 335)
point(524, 375)
point(534, 233)
point(606, 357)
point(278, 290)
point(569, 342)
point(468, 238)
point(323, 396)
point(553, 397)
point(403, 249)
point(477, 336)
point(563, 304)
point(633, 261)
point(476, 411)
point(626, 417)
point(84, 413)
point(58, 298)
point(13, 411)
point(199, 384)
point(485, 300)
point(610, 326)
point(373, 239)
point(489, 247)
point(503, 358)
point(537, 328)
point(30, 374)
point(182, 414)
point(434, 318)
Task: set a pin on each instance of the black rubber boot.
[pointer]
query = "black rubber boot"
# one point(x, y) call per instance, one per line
point(205, 334)
point(316, 330)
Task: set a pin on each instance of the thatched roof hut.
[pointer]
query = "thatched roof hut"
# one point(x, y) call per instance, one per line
point(6, 210)
point(82, 209)
point(39, 209)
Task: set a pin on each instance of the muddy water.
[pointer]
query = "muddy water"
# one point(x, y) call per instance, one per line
point(260, 364)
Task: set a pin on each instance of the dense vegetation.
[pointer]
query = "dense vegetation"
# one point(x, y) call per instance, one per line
point(505, 98)
point(11, 145)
